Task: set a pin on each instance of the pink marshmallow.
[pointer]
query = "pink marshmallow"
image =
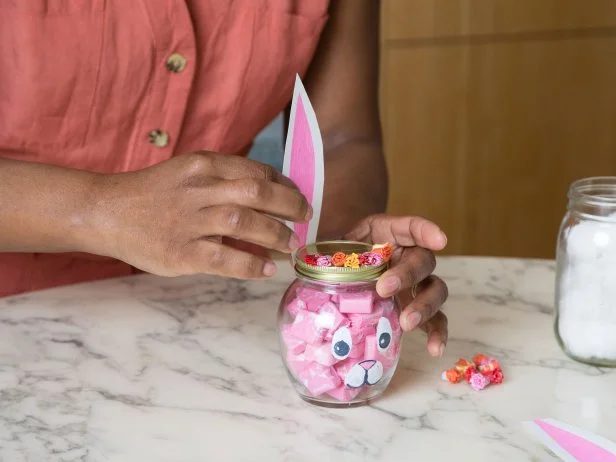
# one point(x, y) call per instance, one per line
point(357, 350)
point(296, 306)
point(305, 328)
point(343, 367)
point(335, 298)
point(294, 345)
point(360, 302)
point(357, 334)
point(367, 321)
point(330, 318)
point(312, 298)
point(321, 354)
point(372, 352)
point(389, 358)
point(297, 363)
point(384, 305)
point(319, 379)
point(344, 394)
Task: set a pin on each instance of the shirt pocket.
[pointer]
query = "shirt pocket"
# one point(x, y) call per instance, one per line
point(48, 71)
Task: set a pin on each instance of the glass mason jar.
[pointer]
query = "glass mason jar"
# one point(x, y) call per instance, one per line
point(585, 322)
point(340, 341)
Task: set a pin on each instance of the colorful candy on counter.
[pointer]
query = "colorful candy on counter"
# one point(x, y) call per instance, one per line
point(480, 373)
point(380, 253)
point(341, 344)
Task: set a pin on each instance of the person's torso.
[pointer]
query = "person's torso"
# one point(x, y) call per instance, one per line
point(119, 85)
point(115, 85)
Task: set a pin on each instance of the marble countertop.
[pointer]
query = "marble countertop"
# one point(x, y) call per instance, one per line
point(152, 369)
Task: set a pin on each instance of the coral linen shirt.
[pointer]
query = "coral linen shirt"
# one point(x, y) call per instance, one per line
point(119, 85)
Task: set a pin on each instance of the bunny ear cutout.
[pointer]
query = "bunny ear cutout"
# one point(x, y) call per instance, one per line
point(571, 444)
point(303, 160)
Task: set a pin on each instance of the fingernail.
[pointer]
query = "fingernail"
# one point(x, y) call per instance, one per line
point(294, 242)
point(441, 350)
point(390, 285)
point(412, 320)
point(269, 269)
point(309, 213)
point(443, 239)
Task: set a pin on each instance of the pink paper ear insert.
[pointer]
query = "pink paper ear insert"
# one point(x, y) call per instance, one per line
point(303, 160)
point(302, 170)
point(572, 444)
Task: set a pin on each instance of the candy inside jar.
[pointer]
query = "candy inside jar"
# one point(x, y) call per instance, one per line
point(340, 341)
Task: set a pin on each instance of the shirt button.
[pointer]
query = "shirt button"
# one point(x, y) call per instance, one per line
point(176, 63)
point(158, 138)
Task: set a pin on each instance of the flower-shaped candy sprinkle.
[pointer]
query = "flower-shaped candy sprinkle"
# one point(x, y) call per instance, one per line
point(451, 376)
point(324, 260)
point(352, 261)
point(310, 260)
point(495, 377)
point(462, 365)
point(338, 259)
point(479, 381)
point(370, 259)
point(469, 372)
point(385, 250)
point(480, 373)
point(488, 366)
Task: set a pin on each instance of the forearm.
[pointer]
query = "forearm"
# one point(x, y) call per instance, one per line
point(43, 208)
point(355, 186)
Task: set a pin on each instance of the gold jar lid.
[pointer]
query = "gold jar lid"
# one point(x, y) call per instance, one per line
point(337, 273)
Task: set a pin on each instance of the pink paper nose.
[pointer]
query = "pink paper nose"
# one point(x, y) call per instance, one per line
point(367, 364)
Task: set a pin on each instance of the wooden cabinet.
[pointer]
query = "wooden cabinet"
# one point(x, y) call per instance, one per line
point(491, 108)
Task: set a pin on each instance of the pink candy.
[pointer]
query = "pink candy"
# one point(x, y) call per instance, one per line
point(366, 321)
point(294, 345)
point(357, 351)
point(321, 354)
point(332, 345)
point(360, 302)
point(343, 367)
point(305, 328)
point(296, 306)
point(372, 352)
point(319, 379)
point(330, 318)
point(312, 298)
point(298, 362)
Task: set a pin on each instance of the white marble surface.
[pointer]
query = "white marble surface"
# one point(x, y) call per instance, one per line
point(151, 369)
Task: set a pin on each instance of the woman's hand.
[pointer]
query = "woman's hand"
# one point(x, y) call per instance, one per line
point(410, 277)
point(175, 218)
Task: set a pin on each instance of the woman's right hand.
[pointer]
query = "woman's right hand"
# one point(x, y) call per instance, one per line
point(170, 219)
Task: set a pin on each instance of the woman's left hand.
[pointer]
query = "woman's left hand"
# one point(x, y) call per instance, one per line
point(410, 278)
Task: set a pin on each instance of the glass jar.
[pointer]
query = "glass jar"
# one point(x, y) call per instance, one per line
point(585, 322)
point(339, 340)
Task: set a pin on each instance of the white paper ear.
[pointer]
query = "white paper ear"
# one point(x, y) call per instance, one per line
point(571, 444)
point(303, 160)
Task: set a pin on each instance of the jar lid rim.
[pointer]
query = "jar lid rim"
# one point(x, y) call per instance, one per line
point(336, 273)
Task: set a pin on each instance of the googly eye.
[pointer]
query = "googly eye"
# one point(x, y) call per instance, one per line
point(342, 343)
point(383, 334)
